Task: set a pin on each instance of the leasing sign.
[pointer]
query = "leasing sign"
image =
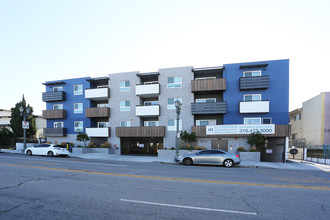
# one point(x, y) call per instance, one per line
point(240, 129)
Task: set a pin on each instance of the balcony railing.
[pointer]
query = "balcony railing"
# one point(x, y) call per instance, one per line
point(208, 108)
point(254, 107)
point(152, 131)
point(55, 132)
point(151, 90)
point(146, 111)
point(98, 132)
point(280, 131)
point(255, 82)
point(54, 114)
point(53, 96)
point(97, 94)
point(208, 85)
point(99, 112)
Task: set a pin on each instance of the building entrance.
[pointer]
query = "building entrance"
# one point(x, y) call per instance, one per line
point(140, 146)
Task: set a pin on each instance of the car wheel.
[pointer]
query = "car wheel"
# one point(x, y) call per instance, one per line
point(228, 163)
point(187, 161)
point(29, 153)
point(50, 154)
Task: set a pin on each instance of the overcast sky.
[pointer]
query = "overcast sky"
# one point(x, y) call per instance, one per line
point(45, 40)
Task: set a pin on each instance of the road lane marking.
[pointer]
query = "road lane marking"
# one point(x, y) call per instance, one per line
point(174, 179)
point(189, 207)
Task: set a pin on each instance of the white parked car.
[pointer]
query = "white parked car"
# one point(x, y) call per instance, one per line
point(49, 150)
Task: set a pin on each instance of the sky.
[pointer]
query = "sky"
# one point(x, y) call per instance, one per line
point(46, 40)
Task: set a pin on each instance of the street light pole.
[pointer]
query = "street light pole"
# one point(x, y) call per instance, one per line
point(24, 112)
point(178, 109)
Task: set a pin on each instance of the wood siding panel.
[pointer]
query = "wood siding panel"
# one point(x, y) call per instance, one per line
point(208, 85)
point(209, 108)
point(55, 132)
point(53, 96)
point(153, 131)
point(256, 82)
point(102, 112)
point(54, 114)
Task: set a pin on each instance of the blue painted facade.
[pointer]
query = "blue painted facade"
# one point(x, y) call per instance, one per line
point(277, 94)
point(68, 104)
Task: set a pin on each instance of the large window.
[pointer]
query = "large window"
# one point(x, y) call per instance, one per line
point(252, 121)
point(57, 106)
point(252, 98)
point(149, 103)
point(103, 124)
point(125, 106)
point(58, 124)
point(151, 123)
point(124, 86)
point(78, 108)
point(77, 90)
point(125, 123)
point(206, 122)
point(171, 125)
point(266, 120)
point(78, 126)
point(171, 102)
point(174, 82)
point(57, 89)
point(102, 105)
point(252, 73)
point(206, 100)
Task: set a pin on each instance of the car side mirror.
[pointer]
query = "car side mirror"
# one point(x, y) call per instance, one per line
point(197, 153)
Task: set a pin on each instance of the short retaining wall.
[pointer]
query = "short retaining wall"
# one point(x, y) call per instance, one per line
point(93, 150)
point(171, 153)
point(20, 146)
point(249, 156)
point(319, 160)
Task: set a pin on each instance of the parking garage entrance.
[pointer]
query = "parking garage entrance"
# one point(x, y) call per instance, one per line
point(141, 146)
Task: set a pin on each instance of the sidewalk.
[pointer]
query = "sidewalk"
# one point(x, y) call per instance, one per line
point(289, 165)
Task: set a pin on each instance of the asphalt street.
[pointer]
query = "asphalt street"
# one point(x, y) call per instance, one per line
point(72, 188)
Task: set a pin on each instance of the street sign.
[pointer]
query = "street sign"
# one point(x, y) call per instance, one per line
point(25, 124)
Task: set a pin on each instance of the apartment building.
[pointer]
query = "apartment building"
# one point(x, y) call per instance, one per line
point(221, 105)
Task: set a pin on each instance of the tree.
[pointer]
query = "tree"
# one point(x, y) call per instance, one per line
point(82, 137)
point(5, 135)
point(16, 120)
point(257, 140)
point(187, 137)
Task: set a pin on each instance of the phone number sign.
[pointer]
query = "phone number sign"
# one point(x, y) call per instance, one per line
point(240, 129)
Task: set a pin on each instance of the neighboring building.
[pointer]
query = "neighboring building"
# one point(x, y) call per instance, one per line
point(297, 134)
point(41, 123)
point(315, 121)
point(5, 116)
point(227, 99)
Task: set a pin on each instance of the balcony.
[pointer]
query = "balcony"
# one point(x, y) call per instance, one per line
point(54, 114)
point(254, 107)
point(280, 131)
point(147, 91)
point(209, 108)
point(55, 132)
point(98, 132)
point(53, 96)
point(152, 131)
point(97, 94)
point(208, 85)
point(147, 111)
point(255, 82)
point(99, 112)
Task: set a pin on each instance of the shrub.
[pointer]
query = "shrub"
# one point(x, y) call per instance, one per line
point(106, 145)
point(91, 145)
point(79, 146)
point(241, 149)
point(253, 149)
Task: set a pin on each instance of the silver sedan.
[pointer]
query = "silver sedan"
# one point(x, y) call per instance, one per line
point(211, 157)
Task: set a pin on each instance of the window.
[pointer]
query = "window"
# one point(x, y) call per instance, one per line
point(124, 86)
point(102, 105)
point(78, 126)
point(207, 100)
point(297, 117)
point(266, 120)
point(77, 90)
point(206, 122)
point(125, 124)
point(78, 108)
point(58, 124)
point(57, 106)
point(57, 89)
point(252, 121)
point(151, 123)
point(252, 73)
point(149, 103)
point(171, 102)
point(174, 82)
point(125, 106)
point(201, 78)
point(150, 83)
point(252, 98)
point(171, 125)
point(103, 124)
